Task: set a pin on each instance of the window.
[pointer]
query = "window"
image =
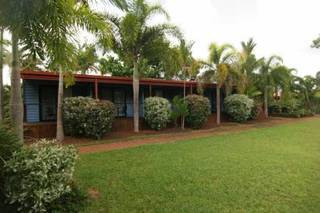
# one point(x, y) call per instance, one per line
point(118, 96)
point(83, 90)
point(119, 100)
point(48, 103)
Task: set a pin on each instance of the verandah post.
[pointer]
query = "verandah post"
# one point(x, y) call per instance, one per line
point(96, 89)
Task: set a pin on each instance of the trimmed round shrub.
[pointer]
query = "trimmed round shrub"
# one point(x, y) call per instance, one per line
point(39, 174)
point(87, 117)
point(199, 110)
point(157, 112)
point(238, 107)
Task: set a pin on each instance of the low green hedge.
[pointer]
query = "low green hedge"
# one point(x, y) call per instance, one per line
point(87, 117)
point(157, 112)
point(199, 109)
point(238, 107)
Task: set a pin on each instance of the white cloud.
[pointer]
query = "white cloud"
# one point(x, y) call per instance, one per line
point(285, 27)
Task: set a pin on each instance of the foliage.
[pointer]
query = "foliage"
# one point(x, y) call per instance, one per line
point(71, 202)
point(255, 111)
point(157, 112)
point(86, 57)
point(9, 143)
point(199, 110)
point(239, 107)
point(179, 108)
point(39, 174)
point(87, 117)
point(114, 66)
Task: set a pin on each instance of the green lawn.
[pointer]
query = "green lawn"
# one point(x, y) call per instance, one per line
point(264, 170)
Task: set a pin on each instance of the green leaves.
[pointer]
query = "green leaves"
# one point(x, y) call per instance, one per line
point(157, 112)
point(239, 107)
point(39, 174)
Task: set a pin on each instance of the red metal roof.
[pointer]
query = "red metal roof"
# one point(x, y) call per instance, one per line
point(52, 76)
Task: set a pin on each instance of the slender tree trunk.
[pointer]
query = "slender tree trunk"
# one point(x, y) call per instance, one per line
point(184, 97)
point(182, 122)
point(218, 102)
point(1, 74)
point(16, 106)
point(266, 112)
point(135, 86)
point(60, 132)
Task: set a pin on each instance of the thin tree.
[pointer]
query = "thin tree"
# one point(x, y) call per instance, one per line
point(62, 20)
point(219, 67)
point(1, 73)
point(266, 78)
point(19, 18)
point(135, 40)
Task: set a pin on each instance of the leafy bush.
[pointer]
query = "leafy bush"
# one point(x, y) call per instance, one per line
point(199, 109)
point(179, 109)
point(239, 107)
point(157, 112)
point(71, 202)
point(39, 174)
point(87, 117)
point(9, 143)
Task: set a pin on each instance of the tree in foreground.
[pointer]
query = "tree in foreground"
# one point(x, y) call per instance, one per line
point(19, 18)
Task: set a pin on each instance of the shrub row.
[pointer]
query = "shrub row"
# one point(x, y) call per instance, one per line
point(158, 111)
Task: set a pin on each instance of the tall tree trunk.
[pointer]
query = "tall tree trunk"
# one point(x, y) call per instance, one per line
point(135, 86)
point(1, 74)
point(182, 122)
point(266, 113)
point(16, 106)
point(184, 98)
point(60, 133)
point(218, 102)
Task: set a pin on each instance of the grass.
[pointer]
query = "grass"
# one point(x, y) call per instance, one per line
point(273, 169)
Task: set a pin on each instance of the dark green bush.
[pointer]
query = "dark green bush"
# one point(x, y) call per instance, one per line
point(199, 110)
point(9, 143)
point(157, 112)
point(87, 117)
point(71, 202)
point(238, 107)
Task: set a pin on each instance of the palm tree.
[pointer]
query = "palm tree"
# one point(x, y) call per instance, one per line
point(266, 79)
point(62, 20)
point(19, 17)
point(220, 60)
point(245, 67)
point(135, 40)
point(307, 89)
point(1, 72)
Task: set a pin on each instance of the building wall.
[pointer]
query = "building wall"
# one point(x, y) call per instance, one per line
point(33, 89)
point(31, 101)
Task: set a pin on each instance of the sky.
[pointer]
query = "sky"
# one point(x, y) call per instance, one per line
point(279, 27)
point(282, 27)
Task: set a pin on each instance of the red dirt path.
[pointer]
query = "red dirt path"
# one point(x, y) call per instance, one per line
point(150, 137)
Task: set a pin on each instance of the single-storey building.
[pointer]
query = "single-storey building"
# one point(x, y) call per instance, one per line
point(40, 90)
